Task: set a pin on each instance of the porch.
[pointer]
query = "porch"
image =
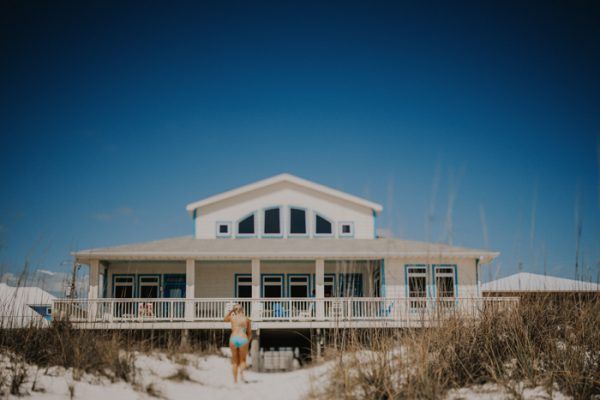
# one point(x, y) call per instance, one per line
point(208, 313)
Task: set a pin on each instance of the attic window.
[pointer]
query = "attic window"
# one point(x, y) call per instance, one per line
point(246, 226)
point(297, 221)
point(223, 229)
point(272, 222)
point(323, 226)
point(346, 229)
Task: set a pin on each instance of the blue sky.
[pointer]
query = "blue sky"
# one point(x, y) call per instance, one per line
point(114, 116)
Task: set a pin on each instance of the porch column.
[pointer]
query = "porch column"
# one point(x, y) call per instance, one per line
point(190, 288)
point(94, 279)
point(320, 287)
point(255, 313)
point(93, 289)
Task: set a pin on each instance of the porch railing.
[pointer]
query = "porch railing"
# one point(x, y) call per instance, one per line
point(276, 309)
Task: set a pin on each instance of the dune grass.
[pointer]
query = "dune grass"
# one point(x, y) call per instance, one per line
point(542, 342)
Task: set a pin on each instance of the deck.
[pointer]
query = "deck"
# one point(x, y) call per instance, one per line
point(279, 313)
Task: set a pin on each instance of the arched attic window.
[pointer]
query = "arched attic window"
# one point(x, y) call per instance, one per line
point(245, 226)
point(323, 226)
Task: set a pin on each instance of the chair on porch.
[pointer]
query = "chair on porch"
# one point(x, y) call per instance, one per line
point(279, 311)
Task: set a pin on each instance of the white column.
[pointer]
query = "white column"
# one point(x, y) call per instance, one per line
point(256, 279)
point(320, 287)
point(94, 279)
point(190, 288)
point(256, 305)
point(93, 289)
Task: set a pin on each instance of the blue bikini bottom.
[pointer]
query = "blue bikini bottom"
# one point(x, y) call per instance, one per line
point(238, 341)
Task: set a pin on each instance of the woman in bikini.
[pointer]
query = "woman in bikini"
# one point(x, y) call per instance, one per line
point(239, 342)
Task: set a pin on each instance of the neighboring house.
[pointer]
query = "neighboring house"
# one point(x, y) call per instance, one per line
point(526, 284)
point(22, 307)
point(294, 253)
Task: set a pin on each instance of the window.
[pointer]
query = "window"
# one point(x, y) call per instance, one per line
point(272, 285)
point(444, 281)
point(417, 285)
point(243, 286)
point(223, 229)
point(329, 285)
point(148, 287)
point(351, 285)
point(246, 226)
point(297, 221)
point(272, 222)
point(346, 229)
point(123, 287)
point(323, 226)
point(298, 286)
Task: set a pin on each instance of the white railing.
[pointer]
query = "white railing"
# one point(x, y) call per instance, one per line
point(276, 309)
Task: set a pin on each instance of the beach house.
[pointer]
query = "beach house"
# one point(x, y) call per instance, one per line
point(294, 253)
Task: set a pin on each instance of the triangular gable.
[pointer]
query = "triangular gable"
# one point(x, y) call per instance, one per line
point(376, 208)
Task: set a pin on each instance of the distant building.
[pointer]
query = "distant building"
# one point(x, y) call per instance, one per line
point(24, 306)
point(526, 284)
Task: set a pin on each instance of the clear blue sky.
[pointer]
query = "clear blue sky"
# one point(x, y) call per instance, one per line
point(114, 117)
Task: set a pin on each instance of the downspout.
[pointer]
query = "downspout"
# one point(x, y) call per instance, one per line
point(382, 277)
point(194, 219)
point(477, 276)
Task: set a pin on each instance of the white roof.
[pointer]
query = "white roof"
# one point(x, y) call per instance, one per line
point(528, 282)
point(15, 302)
point(284, 178)
point(185, 247)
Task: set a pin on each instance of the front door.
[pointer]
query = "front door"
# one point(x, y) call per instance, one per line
point(174, 288)
point(351, 285)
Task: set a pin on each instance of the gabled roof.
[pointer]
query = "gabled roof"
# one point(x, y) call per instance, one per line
point(284, 178)
point(277, 249)
point(528, 282)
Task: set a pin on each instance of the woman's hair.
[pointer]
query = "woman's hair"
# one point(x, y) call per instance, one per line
point(238, 309)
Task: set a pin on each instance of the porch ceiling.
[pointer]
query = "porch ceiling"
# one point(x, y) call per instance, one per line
point(277, 249)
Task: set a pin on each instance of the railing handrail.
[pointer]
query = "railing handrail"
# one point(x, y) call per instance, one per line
point(248, 299)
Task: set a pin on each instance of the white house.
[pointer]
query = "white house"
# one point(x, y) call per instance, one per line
point(528, 283)
point(24, 306)
point(294, 253)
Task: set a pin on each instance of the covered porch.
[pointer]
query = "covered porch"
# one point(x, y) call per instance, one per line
point(197, 294)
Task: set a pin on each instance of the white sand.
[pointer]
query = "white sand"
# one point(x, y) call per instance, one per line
point(209, 378)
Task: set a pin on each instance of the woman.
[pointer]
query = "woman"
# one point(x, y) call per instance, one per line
point(239, 342)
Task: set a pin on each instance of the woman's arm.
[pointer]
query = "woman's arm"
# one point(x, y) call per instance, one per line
point(228, 316)
point(249, 330)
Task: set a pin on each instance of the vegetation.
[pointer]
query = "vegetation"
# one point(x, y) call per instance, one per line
point(545, 342)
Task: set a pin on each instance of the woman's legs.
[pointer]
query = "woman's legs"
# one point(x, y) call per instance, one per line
point(235, 360)
point(243, 353)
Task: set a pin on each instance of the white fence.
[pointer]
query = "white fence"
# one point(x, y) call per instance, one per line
point(276, 309)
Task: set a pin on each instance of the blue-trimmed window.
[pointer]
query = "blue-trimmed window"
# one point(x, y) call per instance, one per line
point(445, 281)
point(416, 285)
point(298, 285)
point(323, 226)
point(298, 221)
point(243, 285)
point(246, 226)
point(351, 285)
point(272, 222)
point(123, 286)
point(329, 285)
point(272, 285)
point(148, 286)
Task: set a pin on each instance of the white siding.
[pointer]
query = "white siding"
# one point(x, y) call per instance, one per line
point(285, 195)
